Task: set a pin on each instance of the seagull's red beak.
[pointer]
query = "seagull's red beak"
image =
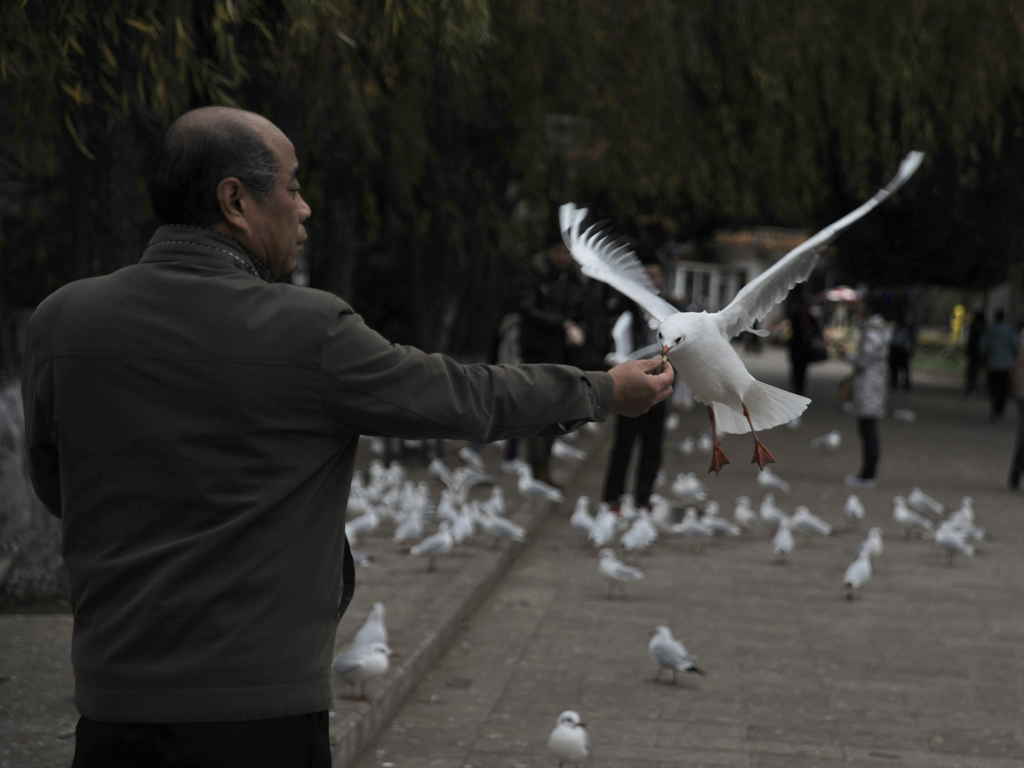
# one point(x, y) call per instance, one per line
point(664, 352)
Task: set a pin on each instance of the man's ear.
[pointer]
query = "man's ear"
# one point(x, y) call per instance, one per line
point(234, 201)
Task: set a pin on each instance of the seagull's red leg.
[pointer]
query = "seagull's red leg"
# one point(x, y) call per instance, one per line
point(762, 455)
point(718, 457)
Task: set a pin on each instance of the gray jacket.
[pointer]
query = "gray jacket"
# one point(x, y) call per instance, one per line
point(194, 427)
point(871, 369)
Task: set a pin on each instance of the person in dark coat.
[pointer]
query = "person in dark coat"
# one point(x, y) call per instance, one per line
point(998, 347)
point(649, 429)
point(805, 332)
point(975, 360)
point(552, 304)
point(194, 425)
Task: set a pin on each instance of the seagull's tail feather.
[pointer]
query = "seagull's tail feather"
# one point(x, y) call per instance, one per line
point(768, 407)
point(696, 670)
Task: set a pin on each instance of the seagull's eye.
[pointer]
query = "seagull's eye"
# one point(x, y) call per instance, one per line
point(679, 339)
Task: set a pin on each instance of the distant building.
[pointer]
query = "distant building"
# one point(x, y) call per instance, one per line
point(708, 275)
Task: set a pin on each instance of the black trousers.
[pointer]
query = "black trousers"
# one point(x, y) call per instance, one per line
point(998, 388)
point(299, 741)
point(869, 448)
point(899, 367)
point(1017, 467)
point(649, 429)
point(797, 374)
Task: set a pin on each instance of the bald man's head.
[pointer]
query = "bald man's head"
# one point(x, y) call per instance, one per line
point(201, 148)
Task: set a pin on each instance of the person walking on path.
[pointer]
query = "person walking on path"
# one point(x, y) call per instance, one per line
point(551, 307)
point(998, 347)
point(806, 343)
point(194, 425)
point(870, 386)
point(1017, 467)
point(973, 349)
point(901, 352)
point(647, 429)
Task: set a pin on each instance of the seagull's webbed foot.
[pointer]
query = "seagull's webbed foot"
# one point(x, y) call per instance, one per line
point(762, 455)
point(718, 459)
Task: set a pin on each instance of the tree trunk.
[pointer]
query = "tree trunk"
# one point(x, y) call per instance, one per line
point(27, 531)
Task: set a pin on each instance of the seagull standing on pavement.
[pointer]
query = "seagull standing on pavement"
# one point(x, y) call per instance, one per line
point(771, 514)
point(360, 664)
point(872, 544)
point(604, 526)
point(919, 501)
point(693, 528)
point(829, 441)
point(581, 519)
point(373, 630)
point(697, 343)
point(616, 571)
point(687, 486)
point(908, 518)
point(535, 490)
point(782, 543)
point(569, 740)
point(669, 653)
point(435, 545)
point(771, 481)
point(744, 515)
point(805, 520)
point(857, 574)
point(853, 510)
point(951, 541)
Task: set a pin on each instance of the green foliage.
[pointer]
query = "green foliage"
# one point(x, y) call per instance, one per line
point(438, 136)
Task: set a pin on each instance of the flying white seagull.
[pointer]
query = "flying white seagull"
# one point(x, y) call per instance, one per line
point(697, 343)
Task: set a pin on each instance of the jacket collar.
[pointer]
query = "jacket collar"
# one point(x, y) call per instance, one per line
point(174, 242)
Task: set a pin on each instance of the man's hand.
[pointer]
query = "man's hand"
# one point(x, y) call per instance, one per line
point(639, 384)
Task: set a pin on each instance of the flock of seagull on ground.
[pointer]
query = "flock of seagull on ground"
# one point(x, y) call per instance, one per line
point(386, 499)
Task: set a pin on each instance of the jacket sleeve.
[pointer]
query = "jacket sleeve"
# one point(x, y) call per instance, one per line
point(374, 387)
point(40, 437)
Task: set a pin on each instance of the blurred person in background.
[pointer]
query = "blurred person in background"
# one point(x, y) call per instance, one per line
point(901, 352)
point(648, 429)
point(870, 385)
point(1017, 467)
point(552, 304)
point(973, 349)
point(806, 342)
point(998, 347)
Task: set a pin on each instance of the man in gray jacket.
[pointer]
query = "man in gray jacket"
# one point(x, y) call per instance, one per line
point(194, 425)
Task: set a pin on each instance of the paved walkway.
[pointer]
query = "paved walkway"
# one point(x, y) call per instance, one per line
point(924, 670)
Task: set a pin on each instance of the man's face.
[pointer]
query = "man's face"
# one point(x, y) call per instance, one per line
point(276, 232)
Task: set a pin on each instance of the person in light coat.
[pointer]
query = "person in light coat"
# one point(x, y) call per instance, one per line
point(870, 385)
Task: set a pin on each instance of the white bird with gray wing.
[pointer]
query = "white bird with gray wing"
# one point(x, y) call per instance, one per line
point(698, 343)
point(569, 741)
point(668, 653)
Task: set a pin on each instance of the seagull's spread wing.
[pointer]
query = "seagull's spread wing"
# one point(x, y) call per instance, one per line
point(757, 298)
point(603, 258)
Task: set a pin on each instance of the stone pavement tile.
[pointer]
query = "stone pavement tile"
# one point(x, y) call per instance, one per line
point(37, 713)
